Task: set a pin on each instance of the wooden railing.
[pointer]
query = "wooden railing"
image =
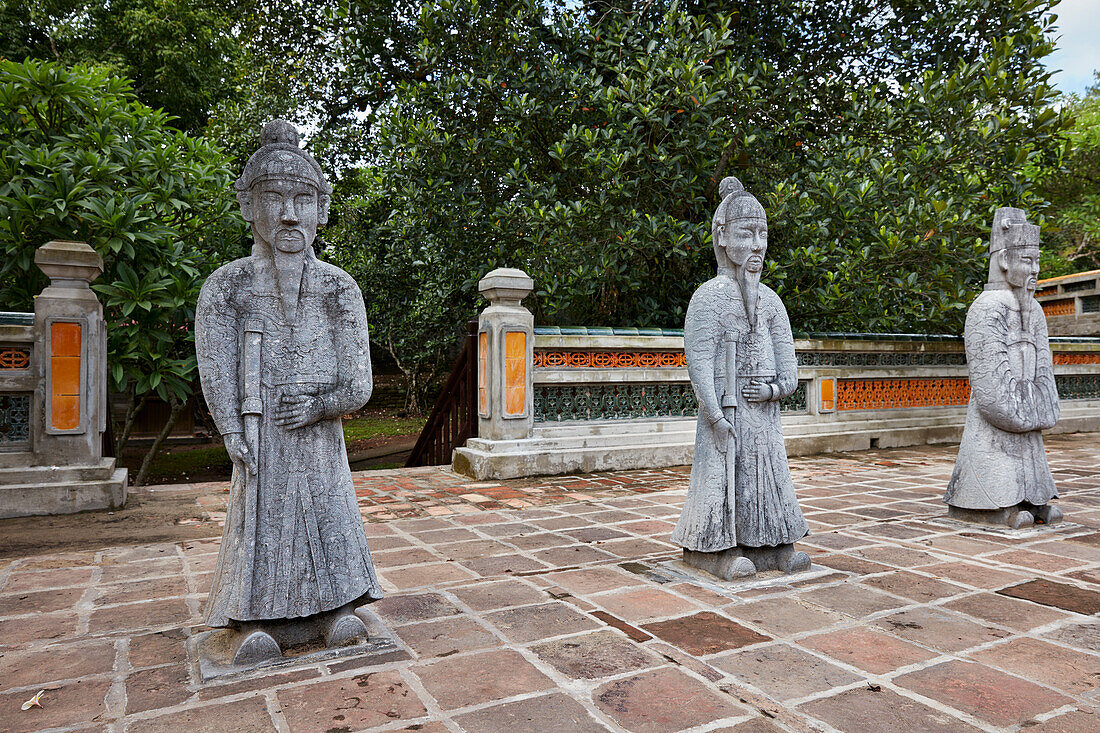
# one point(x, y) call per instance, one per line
point(454, 417)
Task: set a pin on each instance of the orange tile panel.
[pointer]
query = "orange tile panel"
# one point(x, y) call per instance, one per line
point(515, 345)
point(887, 394)
point(65, 412)
point(1069, 358)
point(1066, 307)
point(64, 339)
point(516, 399)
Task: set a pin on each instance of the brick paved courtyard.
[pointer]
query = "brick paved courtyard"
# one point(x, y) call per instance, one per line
point(555, 605)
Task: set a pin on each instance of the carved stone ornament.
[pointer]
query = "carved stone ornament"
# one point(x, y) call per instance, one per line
point(1001, 475)
point(283, 353)
point(741, 514)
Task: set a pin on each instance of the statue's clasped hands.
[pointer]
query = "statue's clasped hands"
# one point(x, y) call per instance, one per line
point(297, 411)
point(756, 391)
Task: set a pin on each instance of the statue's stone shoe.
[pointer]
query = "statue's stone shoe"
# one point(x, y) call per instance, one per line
point(345, 629)
point(797, 562)
point(736, 567)
point(725, 564)
point(255, 646)
point(1021, 519)
point(1048, 514)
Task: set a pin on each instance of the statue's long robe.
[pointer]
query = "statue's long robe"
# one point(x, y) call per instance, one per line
point(1013, 398)
point(309, 553)
point(764, 510)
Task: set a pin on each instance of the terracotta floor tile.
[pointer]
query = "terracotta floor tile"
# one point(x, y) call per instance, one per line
point(133, 616)
point(938, 629)
point(1084, 635)
point(554, 712)
point(1005, 611)
point(531, 623)
point(502, 565)
point(883, 711)
point(456, 682)
point(425, 575)
point(409, 607)
point(447, 636)
point(867, 649)
point(1059, 595)
point(784, 616)
point(576, 555)
point(351, 703)
point(983, 692)
point(42, 601)
point(638, 604)
point(62, 706)
point(160, 687)
point(594, 580)
point(663, 700)
point(705, 633)
point(41, 579)
point(917, 587)
point(1075, 673)
point(1075, 721)
point(19, 669)
point(974, 575)
point(852, 599)
point(498, 594)
point(594, 655)
point(782, 671)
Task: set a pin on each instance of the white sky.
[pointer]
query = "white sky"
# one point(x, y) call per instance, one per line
point(1078, 51)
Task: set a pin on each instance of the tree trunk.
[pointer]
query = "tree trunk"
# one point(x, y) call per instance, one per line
point(176, 408)
point(132, 409)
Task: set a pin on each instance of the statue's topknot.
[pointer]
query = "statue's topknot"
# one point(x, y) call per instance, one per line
point(279, 131)
point(279, 156)
point(730, 185)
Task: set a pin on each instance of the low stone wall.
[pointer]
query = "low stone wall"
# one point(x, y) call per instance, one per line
point(614, 398)
point(1071, 303)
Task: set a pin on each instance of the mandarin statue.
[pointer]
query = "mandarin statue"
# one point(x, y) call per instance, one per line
point(1001, 475)
point(282, 350)
point(741, 514)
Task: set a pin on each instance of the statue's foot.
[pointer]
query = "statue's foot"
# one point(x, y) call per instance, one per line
point(256, 646)
point(344, 629)
point(1021, 519)
point(1047, 514)
point(736, 567)
point(797, 562)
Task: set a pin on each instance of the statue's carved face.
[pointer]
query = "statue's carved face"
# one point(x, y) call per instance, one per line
point(284, 213)
point(1021, 267)
point(745, 241)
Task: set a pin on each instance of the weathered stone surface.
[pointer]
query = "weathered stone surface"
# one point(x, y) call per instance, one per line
point(740, 357)
point(283, 353)
point(657, 702)
point(590, 656)
point(1060, 595)
point(783, 672)
point(705, 633)
point(534, 715)
point(351, 704)
point(1002, 467)
point(456, 682)
point(884, 711)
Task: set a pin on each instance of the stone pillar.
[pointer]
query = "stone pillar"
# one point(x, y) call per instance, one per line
point(68, 320)
point(506, 355)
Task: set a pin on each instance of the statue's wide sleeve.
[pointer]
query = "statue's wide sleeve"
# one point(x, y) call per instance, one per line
point(1005, 400)
point(701, 343)
point(1047, 398)
point(352, 351)
point(786, 365)
point(217, 341)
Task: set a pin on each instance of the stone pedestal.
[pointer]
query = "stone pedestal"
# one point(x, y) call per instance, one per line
point(63, 470)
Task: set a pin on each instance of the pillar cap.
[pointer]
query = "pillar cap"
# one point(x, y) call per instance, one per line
point(63, 260)
point(506, 286)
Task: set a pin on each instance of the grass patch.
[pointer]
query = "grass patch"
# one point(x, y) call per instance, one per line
point(371, 426)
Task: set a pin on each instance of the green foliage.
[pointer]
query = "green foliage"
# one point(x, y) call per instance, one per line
point(1074, 190)
point(81, 159)
point(585, 147)
point(182, 55)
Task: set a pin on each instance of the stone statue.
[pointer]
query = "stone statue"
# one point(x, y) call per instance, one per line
point(1001, 475)
point(283, 354)
point(741, 515)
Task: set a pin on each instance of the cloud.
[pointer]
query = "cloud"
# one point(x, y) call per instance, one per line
point(1078, 49)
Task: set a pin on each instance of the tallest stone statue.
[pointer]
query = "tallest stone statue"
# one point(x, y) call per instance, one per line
point(1001, 475)
point(283, 354)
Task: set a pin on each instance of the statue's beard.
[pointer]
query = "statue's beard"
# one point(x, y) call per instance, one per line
point(750, 293)
point(288, 279)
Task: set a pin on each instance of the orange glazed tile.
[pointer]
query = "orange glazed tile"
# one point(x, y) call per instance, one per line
point(65, 412)
point(65, 375)
point(64, 339)
point(515, 345)
point(517, 397)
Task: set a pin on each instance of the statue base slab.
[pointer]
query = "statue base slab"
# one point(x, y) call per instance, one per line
point(742, 562)
point(1022, 516)
point(301, 642)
